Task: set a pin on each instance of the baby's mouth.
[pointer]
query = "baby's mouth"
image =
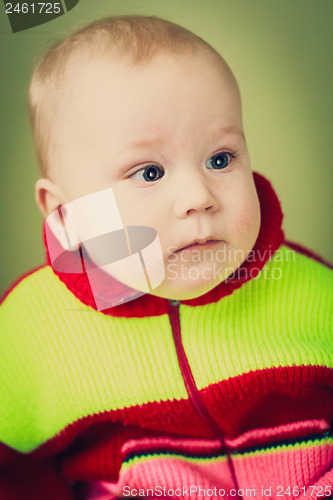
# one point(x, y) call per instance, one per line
point(199, 244)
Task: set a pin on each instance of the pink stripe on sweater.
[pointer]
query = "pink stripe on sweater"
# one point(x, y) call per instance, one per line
point(257, 437)
point(267, 474)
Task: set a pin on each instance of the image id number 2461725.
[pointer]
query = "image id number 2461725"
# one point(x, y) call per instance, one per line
point(32, 8)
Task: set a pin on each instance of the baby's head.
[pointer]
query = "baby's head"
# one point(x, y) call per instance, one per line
point(145, 107)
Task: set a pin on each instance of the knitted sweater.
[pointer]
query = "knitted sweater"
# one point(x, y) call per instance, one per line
point(229, 394)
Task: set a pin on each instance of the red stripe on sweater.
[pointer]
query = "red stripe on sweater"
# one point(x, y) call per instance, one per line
point(34, 480)
point(238, 404)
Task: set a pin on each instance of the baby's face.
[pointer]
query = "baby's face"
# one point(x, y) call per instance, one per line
point(167, 137)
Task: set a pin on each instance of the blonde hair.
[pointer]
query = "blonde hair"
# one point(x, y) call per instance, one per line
point(132, 39)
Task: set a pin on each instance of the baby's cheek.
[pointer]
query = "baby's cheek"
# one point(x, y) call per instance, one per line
point(248, 223)
point(251, 221)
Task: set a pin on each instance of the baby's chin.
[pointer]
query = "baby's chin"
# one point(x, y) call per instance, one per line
point(190, 280)
point(185, 289)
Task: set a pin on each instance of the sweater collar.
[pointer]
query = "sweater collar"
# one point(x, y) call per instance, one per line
point(269, 240)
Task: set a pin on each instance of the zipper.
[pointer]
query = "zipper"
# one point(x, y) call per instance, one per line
point(185, 368)
point(191, 387)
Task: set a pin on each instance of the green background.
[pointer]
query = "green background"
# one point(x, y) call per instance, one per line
point(281, 52)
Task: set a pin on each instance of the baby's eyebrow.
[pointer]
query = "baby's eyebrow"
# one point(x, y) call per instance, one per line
point(144, 143)
point(232, 130)
point(147, 142)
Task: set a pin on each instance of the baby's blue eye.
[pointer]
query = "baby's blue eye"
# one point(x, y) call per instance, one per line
point(218, 161)
point(150, 173)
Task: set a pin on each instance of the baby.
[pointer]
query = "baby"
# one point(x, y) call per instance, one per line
point(197, 359)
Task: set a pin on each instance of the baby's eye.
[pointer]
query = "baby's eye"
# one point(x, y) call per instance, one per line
point(150, 173)
point(219, 161)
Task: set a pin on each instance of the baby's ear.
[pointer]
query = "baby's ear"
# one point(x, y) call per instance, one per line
point(48, 196)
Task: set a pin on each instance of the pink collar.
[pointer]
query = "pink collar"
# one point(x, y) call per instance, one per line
point(269, 240)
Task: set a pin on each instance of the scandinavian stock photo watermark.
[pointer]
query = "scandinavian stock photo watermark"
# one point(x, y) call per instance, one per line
point(208, 264)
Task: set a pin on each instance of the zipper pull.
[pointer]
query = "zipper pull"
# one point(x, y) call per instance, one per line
point(174, 302)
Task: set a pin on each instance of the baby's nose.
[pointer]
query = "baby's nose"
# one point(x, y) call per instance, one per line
point(196, 195)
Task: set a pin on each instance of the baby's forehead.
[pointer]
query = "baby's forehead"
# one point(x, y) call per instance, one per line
point(106, 92)
point(54, 87)
point(166, 76)
point(84, 69)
